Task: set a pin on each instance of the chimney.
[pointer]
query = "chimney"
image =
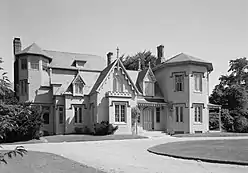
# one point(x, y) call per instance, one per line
point(160, 51)
point(109, 58)
point(17, 45)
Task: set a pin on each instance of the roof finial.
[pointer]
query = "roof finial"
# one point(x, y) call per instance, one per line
point(117, 52)
point(149, 64)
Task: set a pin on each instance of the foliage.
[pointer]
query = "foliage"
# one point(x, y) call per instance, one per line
point(132, 62)
point(19, 122)
point(231, 93)
point(135, 113)
point(83, 130)
point(5, 84)
point(241, 124)
point(104, 128)
point(19, 150)
point(213, 121)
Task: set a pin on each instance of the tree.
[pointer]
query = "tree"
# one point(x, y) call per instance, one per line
point(232, 94)
point(5, 84)
point(132, 62)
point(135, 113)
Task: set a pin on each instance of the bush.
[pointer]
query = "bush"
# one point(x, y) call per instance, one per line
point(19, 122)
point(213, 121)
point(78, 130)
point(241, 124)
point(227, 120)
point(104, 128)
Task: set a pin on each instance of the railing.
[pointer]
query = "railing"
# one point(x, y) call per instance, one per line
point(118, 94)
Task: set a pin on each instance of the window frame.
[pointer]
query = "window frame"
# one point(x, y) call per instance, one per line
point(179, 114)
point(44, 65)
point(200, 77)
point(118, 115)
point(158, 114)
point(76, 88)
point(61, 117)
point(44, 111)
point(36, 63)
point(177, 89)
point(77, 116)
point(117, 84)
point(198, 109)
point(23, 87)
point(152, 88)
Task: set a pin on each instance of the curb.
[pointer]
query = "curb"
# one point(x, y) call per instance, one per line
point(200, 159)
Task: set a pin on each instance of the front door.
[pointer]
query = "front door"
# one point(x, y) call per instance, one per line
point(148, 119)
point(61, 120)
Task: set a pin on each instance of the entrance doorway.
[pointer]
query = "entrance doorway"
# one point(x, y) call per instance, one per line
point(148, 119)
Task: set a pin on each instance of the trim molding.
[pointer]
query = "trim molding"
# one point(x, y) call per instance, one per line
point(194, 72)
point(185, 104)
point(179, 72)
point(202, 104)
point(126, 102)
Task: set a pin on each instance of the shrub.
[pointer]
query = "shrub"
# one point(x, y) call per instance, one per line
point(78, 130)
point(104, 128)
point(227, 120)
point(19, 122)
point(213, 121)
point(241, 124)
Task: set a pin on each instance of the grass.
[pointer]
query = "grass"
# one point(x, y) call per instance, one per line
point(217, 151)
point(44, 162)
point(213, 134)
point(80, 138)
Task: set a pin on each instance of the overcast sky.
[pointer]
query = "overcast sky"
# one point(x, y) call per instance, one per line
point(213, 30)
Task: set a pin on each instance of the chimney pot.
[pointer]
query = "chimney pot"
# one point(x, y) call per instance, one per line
point(109, 58)
point(17, 45)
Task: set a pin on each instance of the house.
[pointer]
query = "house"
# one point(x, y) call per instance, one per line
point(78, 90)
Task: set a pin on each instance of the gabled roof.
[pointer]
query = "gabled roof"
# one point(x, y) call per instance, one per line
point(185, 59)
point(78, 78)
point(105, 73)
point(34, 49)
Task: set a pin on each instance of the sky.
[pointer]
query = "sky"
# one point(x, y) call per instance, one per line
point(213, 30)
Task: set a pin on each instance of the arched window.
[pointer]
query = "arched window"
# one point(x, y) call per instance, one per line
point(118, 85)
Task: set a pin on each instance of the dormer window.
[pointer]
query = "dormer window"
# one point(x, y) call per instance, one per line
point(78, 85)
point(79, 63)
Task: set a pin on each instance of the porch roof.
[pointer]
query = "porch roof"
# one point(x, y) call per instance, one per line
point(210, 105)
point(154, 102)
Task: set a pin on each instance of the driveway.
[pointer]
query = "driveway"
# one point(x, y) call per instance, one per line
point(131, 156)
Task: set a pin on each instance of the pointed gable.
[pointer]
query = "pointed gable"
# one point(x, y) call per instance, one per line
point(142, 75)
point(34, 49)
point(105, 73)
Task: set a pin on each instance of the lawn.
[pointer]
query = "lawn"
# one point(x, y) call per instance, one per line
point(211, 134)
point(80, 138)
point(44, 163)
point(217, 151)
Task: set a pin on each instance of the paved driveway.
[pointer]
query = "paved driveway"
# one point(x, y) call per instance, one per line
point(130, 156)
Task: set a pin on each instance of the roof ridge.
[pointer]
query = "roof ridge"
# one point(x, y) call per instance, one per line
point(71, 52)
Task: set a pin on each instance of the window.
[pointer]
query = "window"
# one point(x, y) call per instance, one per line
point(158, 115)
point(78, 88)
point(46, 114)
point(78, 114)
point(198, 82)
point(149, 88)
point(198, 114)
point(34, 65)
point(118, 85)
point(120, 113)
point(23, 86)
point(44, 65)
point(179, 82)
point(23, 64)
point(61, 115)
point(179, 114)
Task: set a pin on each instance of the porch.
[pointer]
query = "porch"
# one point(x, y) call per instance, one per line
point(214, 113)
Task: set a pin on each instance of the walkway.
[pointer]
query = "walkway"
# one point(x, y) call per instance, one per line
point(131, 156)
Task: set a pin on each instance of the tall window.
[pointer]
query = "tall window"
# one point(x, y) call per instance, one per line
point(158, 115)
point(118, 85)
point(23, 86)
point(23, 64)
point(198, 114)
point(198, 81)
point(179, 114)
point(61, 115)
point(120, 113)
point(78, 116)
point(149, 88)
point(34, 64)
point(46, 114)
point(179, 82)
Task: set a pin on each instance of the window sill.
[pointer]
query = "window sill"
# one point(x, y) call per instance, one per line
point(198, 123)
point(198, 92)
point(120, 123)
point(78, 123)
point(80, 95)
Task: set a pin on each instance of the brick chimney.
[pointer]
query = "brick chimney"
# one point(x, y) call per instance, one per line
point(160, 52)
point(17, 45)
point(109, 58)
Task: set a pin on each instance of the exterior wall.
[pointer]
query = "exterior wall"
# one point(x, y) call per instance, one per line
point(23, 74)
point(196, 97)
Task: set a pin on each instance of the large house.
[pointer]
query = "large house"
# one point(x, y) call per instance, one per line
point(78, 90)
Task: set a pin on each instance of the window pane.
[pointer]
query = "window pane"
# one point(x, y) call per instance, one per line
point(123, 110)
point(200, 83)
point(177, 116)
point(181, 114)
point(149, 88)
point(61, 115)
point(179, 82)
point(195, 114)
point(116, 113)
point(199, 114)
point(34, 65)
point(80, 115)
point(76, 114)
